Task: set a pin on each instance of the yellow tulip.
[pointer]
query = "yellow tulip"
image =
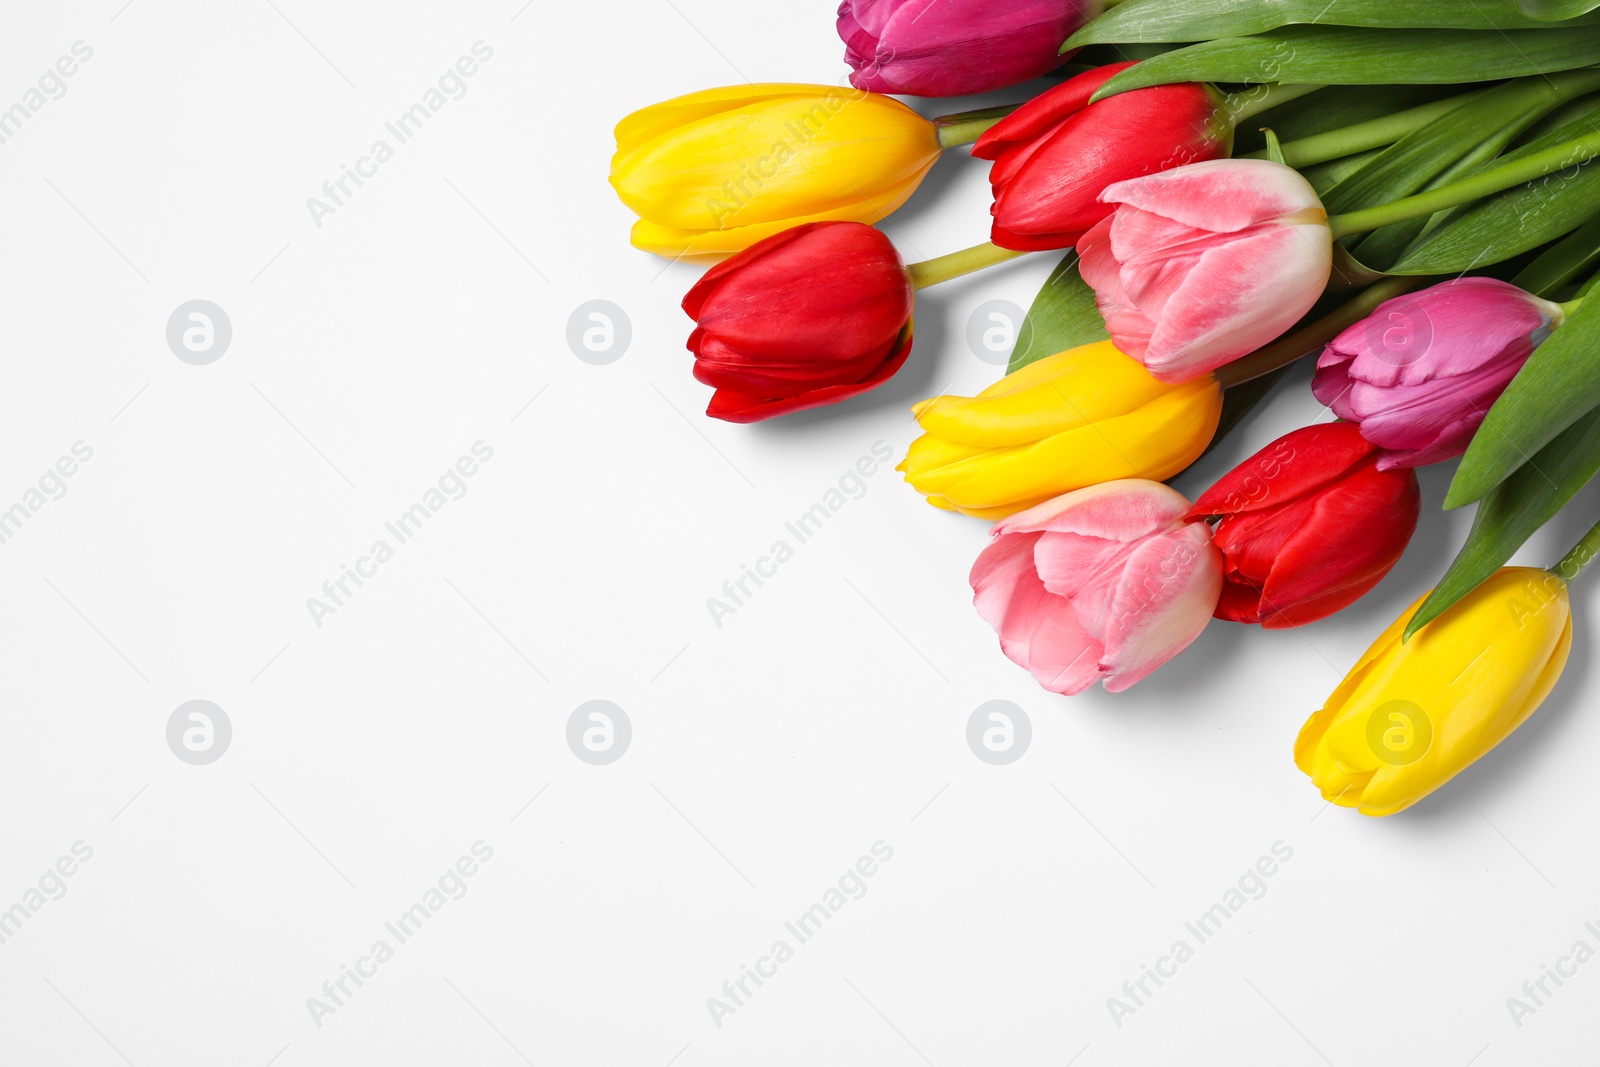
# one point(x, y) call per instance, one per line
point(716, 171)
point(1414, 714)
point(1074, 419)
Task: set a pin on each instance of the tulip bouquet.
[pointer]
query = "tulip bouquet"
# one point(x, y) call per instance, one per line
point(1405, 192)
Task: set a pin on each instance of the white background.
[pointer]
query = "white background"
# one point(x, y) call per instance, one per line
point(829, 713)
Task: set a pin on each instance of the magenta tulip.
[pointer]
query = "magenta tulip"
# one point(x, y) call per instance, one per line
point(1204, 263)
point(1104, 583)
point(1419, 373)
point(955, 47)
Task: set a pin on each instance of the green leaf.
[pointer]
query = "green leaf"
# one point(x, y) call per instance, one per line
point(1204, 20)
point(1324, 176)
point(1341, 55)
point(1451, 147)
point(1335, 108)
point(1063, 316)
point(1477, 130)
point(1516, 220)
point(1563, 261)
point(1514, 509)
point(1098, 55)
point(1556, 10)
point(1558, 385)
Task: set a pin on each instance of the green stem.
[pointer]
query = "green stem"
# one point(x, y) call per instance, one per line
point(943, 268)
point(1573, 153)
point(1374, 133)
point(1258, 98)
point(1303, 342)
point(1581, 556)
point(967, 126)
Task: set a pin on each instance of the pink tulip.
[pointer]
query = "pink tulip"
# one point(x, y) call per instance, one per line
point(1419, 373)
point(1105, 583)
point(955, 47)
point(1204, 263)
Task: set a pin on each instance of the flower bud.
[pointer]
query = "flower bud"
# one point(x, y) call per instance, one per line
point(1074, 419)
point(716, 171)
point(816, 314)
point(1307, 526)
point(1411, 715)
point(1206, 263)
point(1419, 374)
point(1057, 153)
point(1105, 583)
point(955, 47)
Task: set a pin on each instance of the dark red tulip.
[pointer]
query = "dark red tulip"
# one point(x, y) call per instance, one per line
point(1307, 525)
point(805, 317)
point(1055, 154)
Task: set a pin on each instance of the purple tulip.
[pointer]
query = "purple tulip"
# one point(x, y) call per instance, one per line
point(1419, 374)
point(955, 47)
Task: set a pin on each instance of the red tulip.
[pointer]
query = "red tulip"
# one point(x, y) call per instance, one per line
point(1055, 154)
point(1307, 525)
point(805, 317)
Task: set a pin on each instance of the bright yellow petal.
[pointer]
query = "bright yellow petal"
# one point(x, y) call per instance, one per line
point(775, 158)
point(695, 245)
point(1080, 387)
point(1083, 359)
point(1457, 689)
point(657, 119)
point(1155, 442)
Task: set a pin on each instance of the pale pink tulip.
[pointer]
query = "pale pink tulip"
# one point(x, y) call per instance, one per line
point(1104, 583)
point(1202, 264)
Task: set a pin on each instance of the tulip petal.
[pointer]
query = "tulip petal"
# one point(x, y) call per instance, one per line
point(732, 406)
point(842, 281)
point(1044, 111)
point(1062, 656)
point(1458, 688)
point(1002, 569)
point(698, 245)
point(1329, 561)
point(1219, 195)
point(1153, 442)
point(1296, 465)
point(1237, 297)
point(1084, 571)
point(1038, 631)
point(1164, 600)
point(1453, 328)
point(1122, 510)
point(1072, 389)
point(1051, 183)
point(656, 119)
